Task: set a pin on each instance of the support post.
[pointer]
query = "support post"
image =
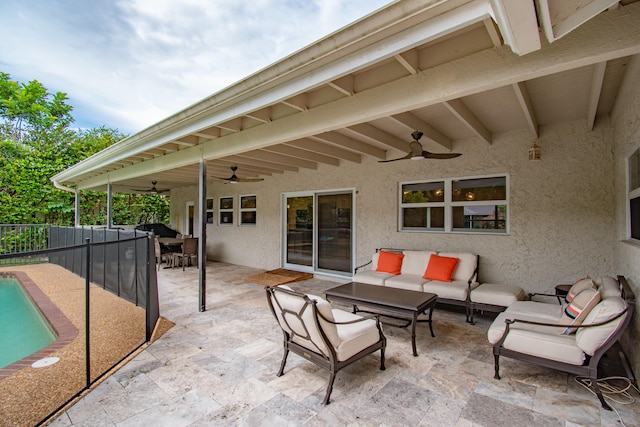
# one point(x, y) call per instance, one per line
point(87, 313)
point(202, 240)
point(76, 219)
point(109, 206)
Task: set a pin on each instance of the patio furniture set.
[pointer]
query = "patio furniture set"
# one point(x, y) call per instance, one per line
point(570, 333)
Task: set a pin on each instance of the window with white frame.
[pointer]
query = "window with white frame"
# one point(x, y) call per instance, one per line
point(248, 211)
point(462, 205)
point(633, 172)
point(209, 211)
point(225, 211)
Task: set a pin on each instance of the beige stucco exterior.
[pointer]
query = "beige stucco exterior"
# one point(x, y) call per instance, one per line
point(562, 208)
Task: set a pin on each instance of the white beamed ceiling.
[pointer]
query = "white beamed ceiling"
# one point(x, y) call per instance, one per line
point(473, 86)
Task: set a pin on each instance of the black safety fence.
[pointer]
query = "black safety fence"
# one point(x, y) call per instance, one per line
point(103, 284)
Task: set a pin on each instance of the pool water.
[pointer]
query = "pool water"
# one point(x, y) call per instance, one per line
point(23, 330)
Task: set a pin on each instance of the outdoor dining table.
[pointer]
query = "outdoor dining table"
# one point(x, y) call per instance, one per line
point(170, 241)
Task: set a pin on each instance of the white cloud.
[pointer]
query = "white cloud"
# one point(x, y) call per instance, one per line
point(129, 64)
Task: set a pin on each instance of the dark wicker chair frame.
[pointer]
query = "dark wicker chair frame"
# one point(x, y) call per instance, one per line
point(328, 361)
point(590, 367)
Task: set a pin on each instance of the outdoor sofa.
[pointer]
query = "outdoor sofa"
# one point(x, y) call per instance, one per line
point(570, 337)
point(452, 276)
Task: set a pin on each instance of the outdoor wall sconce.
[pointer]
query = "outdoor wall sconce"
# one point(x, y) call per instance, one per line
point(534, 151)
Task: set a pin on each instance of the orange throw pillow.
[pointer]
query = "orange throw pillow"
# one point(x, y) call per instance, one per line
point(440, 268)
point(389, 262)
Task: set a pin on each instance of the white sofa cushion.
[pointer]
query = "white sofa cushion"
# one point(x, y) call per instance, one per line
point(544, 312)
point(354, 337)
point(589, 339)
point(552, 346)
point(415, 262)
point(498, 326)
point(406, 281)
point(456, 290)
point(495, 294)
point(578, 309)
point(579, 286)
point(608, 287)
point(371, 277)
point(465, 267)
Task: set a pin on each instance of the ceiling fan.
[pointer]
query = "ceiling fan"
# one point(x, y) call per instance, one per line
point(152, 190)
point(233, 179)
point(416, 152)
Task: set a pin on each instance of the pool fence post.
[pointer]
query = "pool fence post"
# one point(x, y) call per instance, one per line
point(86, 311)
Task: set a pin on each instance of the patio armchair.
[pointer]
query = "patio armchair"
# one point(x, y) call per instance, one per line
point(189, 250)
point(330, 338)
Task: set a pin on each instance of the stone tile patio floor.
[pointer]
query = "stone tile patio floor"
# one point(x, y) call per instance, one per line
point(219, 367)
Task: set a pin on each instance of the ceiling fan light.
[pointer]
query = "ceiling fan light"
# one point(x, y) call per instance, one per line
point(417, 157)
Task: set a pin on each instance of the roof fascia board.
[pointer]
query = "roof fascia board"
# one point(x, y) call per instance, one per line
point(518, 24)
point(608, 36)
point(554, 31)
point(460, 14)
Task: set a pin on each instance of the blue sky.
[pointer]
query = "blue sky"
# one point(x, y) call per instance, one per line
point(128, 64)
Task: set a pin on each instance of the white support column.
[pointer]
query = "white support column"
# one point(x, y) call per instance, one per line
point(76, 221)
point(109, 206)
point(202, 239)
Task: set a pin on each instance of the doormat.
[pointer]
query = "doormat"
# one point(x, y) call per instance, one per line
point(276, 277)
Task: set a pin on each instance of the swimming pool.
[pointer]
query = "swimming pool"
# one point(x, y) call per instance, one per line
point(23, 330)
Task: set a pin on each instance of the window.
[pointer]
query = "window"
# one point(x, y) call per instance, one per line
point(465, 205)
point(225, 209)
point(248, 210)
point(209, 211)
point(633, 171)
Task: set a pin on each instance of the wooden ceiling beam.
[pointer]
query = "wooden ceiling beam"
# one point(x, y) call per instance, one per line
point(318, 146)
point(374, 134)
point(411, 122)
point(594, 93)
point(303, 154)
point(457, 107)
point(526, 106)
point(351, 144)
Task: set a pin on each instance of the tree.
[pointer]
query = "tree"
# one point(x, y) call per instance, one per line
point(36, 142)
point(30, 107)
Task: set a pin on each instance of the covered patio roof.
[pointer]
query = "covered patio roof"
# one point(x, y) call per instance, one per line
point(456, 70)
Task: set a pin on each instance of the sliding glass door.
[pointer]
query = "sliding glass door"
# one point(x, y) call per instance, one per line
point(319, 231)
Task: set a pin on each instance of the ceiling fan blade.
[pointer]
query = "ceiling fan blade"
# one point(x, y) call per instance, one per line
point(249, 179)
point(428, 155)
point(408, 156)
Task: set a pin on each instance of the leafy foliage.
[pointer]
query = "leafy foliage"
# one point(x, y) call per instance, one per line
point(36, 142)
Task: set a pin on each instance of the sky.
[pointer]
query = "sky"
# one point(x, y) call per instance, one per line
point(127, 64)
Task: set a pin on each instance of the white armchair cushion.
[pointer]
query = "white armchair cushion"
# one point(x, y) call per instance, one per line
point(354, 337)
point(590, 339)
point(465, 267)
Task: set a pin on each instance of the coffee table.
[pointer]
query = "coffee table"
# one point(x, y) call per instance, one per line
point(407, 305)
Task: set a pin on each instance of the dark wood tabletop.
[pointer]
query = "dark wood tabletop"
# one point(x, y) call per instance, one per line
point(381, 295)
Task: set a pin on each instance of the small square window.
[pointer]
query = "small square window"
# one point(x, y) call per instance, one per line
point(225, 211)
point(248, 210)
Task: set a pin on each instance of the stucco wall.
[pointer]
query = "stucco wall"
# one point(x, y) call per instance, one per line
point(562, 207)
point(627, 255)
